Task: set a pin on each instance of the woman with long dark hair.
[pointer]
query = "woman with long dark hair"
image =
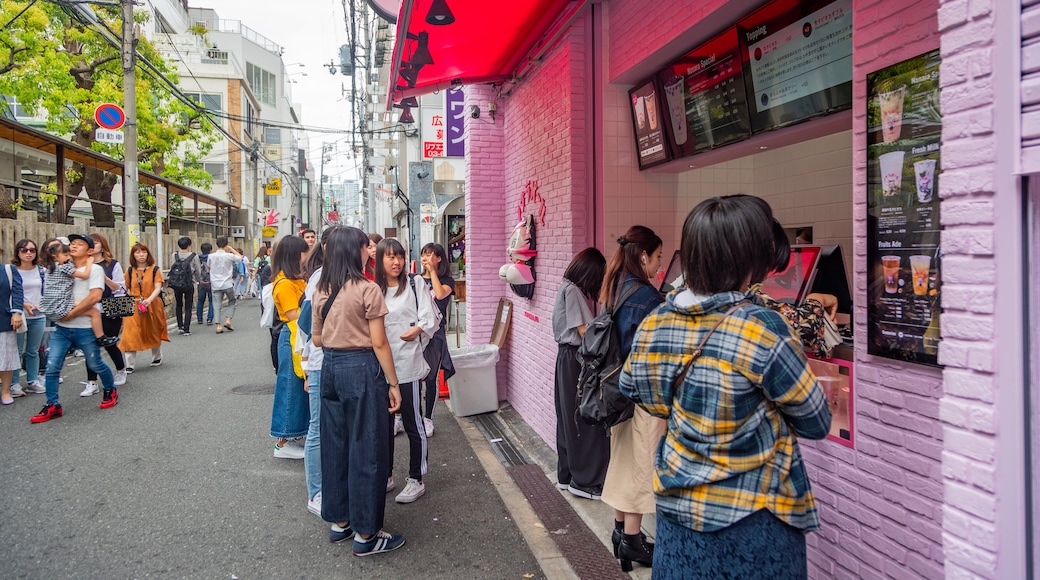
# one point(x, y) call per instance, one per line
point(733, 495)
point(582, 450)
point(359, 388)
point(411, 320)
point(629, 484)
point(290, 409)
point(27, 260)
point(370, 261)
point(437, 273)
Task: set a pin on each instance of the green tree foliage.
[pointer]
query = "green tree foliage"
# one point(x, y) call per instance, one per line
point(58, 67)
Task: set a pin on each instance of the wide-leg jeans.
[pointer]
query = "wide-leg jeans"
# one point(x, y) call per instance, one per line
point(290, 411)
point(355, 459)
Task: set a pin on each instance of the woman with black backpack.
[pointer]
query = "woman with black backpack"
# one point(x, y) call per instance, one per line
point(629, 485)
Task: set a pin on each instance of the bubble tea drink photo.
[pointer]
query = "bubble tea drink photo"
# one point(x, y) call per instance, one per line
point(919, 268)
point(891, 266)
point(637, 103)
point(891, 164)
point(924, 174)
point(891, 105)
point(651, 110)
point(675, 94)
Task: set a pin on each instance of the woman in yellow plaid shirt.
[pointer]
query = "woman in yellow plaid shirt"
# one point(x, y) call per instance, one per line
point(733, 497)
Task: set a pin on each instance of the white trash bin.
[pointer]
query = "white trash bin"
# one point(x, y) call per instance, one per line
point(474, 388)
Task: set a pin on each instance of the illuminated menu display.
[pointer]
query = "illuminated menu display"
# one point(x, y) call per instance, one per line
point(798, 57)
point(644, 102)
point(705, 98)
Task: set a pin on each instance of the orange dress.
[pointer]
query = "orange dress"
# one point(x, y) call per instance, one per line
point(144, 330)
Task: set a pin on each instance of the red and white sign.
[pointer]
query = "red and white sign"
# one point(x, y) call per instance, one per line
point(433, 131)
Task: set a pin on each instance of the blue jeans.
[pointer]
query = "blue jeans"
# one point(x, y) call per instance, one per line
point(355, 459)
point(29, 345)
point(62, 341)
point(312, 448)
point(290, 410)
point(205, 294)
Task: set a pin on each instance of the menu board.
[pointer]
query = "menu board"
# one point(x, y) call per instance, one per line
point(904, 133)
point(646, 120)
point(705, 97)
point(798, 57)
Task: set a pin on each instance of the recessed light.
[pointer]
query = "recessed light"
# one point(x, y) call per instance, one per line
point(763, 147)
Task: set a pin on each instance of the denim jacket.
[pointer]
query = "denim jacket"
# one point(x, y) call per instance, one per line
point(11, 297)
point(634, 310)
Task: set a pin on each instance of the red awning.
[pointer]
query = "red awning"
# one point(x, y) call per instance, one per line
point(486, 42)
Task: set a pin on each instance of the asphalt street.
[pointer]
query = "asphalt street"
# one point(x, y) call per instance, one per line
point(178, 481)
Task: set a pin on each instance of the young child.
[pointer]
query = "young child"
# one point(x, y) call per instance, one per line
point(57, 300)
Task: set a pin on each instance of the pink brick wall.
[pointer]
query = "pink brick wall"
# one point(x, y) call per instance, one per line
point(539, 137)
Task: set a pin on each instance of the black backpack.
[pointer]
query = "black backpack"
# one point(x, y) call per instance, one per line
point(600, 401)
point(180, 273)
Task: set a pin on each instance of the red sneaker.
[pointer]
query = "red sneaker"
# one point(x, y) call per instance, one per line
point(49, 412)
point(109, 399)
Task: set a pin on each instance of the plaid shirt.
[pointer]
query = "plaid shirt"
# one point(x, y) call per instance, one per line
point(729, 450)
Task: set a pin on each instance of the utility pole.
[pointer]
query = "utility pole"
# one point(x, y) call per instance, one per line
point(130, 207)
point(325, 148)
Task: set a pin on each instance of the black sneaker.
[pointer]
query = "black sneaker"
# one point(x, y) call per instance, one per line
point(377, 544)
point(107, 341)
point(186, 333)
point(591, 492)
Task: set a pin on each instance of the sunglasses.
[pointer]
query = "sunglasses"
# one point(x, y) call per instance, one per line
point(27, 250)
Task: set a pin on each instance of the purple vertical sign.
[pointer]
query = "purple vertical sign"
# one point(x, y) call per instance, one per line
point(455, 138)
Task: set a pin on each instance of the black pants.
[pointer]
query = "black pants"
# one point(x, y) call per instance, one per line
point(185, 303)
point(433, 353)
point(583, 450)
point(411, 416)
point(274, 346)
point(112, 327)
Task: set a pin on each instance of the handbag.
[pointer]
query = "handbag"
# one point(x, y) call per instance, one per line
point(118, 306)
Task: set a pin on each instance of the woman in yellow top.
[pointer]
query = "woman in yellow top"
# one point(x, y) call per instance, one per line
point(290, 413)
point(146, 329)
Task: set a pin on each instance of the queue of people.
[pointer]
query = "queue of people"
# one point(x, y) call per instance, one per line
point(721, 389)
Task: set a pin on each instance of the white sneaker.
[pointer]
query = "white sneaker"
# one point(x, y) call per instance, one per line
point(16, 391)
point(89, 389)
point(390, 485)
point(119, 378)
point(428, 424)
point(398, 426)
point(412, 491)
point(37, 387)
point(77, 353)
point(314, 505)
point(288, 451)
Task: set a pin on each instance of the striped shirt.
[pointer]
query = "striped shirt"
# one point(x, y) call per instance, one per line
point(730, 448)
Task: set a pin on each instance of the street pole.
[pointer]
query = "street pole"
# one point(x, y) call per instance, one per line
point(130, 206)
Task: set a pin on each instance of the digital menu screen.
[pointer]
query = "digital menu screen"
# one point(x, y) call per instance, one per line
point(644, 101)
point(904, 134)
point(705, 98)
point(797, 55)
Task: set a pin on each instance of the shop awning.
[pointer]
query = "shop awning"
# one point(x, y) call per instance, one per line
point(486, 42)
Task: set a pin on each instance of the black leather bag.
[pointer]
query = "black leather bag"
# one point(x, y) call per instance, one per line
point(600, 401)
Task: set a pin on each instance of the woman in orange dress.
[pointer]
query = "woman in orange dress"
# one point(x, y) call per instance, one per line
point(146, 329)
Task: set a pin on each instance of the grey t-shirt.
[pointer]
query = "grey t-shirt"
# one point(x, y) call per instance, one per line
point(570, 311)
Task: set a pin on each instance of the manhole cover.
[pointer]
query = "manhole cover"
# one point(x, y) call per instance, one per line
point(267, 389)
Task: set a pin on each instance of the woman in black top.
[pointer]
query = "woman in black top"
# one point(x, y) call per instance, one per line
point(438, 275)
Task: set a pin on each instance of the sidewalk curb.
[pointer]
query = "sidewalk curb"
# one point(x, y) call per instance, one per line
point(550, 559)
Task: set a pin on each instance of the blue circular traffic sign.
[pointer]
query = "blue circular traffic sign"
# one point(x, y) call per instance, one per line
point(109, 116)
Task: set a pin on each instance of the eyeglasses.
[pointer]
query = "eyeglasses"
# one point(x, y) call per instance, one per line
point(27, 250)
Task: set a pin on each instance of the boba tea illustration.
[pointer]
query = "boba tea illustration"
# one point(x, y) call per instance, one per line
point(637, 102)
point(919, 268)
point(891, 266)
point(675, 94)
point(924, 173)
point(891, 104)
point(891, 172)
point(651, 110)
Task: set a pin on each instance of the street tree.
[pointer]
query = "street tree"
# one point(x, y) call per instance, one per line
point(61, 66)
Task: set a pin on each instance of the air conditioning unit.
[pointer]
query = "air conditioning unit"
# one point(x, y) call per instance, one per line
point(238, 231)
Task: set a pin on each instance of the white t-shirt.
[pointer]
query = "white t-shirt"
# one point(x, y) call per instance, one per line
point(81, 289)
point(32, 288)
point(222, 269)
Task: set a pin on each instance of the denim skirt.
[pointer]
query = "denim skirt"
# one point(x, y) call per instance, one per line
point(290, 412)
